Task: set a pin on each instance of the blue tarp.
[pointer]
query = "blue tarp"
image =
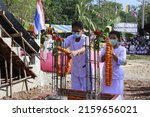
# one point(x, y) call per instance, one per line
point(62, 28)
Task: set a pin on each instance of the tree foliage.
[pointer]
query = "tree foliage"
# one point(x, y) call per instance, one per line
point(147, 14)
point(23, 9)
point(94, 13)
point(100, 15)
point(60, 11)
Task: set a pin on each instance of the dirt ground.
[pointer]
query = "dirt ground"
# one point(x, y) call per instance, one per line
point(137, 80)
point(134, 90)
point(137, 84)
point(137, 90)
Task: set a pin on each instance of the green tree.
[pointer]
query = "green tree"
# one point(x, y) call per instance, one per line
point(9, 3)
point(147, 14)
point(84, 15)
point(23, 10)
point(107, 12)
point(60, 11)
point(100, 15)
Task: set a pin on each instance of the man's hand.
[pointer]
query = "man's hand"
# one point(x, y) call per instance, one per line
point(92, 37)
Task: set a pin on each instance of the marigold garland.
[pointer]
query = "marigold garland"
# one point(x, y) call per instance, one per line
point(68, 62)
point(108, 60)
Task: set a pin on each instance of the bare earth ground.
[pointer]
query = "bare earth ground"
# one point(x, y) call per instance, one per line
point(137, 80)
point(137, 84)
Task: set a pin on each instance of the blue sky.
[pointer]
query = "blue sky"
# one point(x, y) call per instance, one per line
point(127, 2)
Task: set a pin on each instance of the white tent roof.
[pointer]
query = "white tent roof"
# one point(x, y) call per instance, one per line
point(126, 27)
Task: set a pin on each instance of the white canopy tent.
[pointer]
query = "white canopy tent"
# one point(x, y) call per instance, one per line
point(126, 27)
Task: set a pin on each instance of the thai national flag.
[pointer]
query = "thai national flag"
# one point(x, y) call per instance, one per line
point(39, 19)
point(135, 12)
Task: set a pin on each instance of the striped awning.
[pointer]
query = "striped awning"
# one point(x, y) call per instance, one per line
point(62, 28)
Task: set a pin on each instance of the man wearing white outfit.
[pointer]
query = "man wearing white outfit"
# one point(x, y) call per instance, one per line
point(76, 42)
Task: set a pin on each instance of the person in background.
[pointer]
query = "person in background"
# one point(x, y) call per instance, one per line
point(118, 59)
point(48, 43)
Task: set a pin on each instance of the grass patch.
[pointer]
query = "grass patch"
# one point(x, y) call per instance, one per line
point(135, 57)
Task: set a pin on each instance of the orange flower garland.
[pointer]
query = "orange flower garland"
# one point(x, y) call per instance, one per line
point(68, 62)
point(67, 52)
point(108, 60)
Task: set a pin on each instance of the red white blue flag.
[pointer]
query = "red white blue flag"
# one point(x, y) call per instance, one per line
point(135, 12)
point(39, 18)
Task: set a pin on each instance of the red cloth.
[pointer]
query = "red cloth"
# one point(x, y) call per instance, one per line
point(47, 65)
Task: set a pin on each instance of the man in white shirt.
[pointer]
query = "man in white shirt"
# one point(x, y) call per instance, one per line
point(76, 42)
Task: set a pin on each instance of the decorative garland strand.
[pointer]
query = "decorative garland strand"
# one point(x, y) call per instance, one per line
point(108, 59)
point(68, 62)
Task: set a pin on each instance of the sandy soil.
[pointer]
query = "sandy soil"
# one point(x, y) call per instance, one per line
point(137, 80)
point(137, 70)
point(137, 84)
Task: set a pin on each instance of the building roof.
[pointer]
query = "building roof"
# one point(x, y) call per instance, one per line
point(17, 31)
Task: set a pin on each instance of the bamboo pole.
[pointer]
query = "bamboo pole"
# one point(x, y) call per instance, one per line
point(0, 32)
point(6, 70)
point(143, 13)
point(0, 77)
point(26, 64)
point(11, 94)
point(26, 83)
point(16, 82)
point(19, 73)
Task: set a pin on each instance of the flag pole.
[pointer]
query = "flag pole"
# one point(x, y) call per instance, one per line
point(39, 38)
point(143, 13)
